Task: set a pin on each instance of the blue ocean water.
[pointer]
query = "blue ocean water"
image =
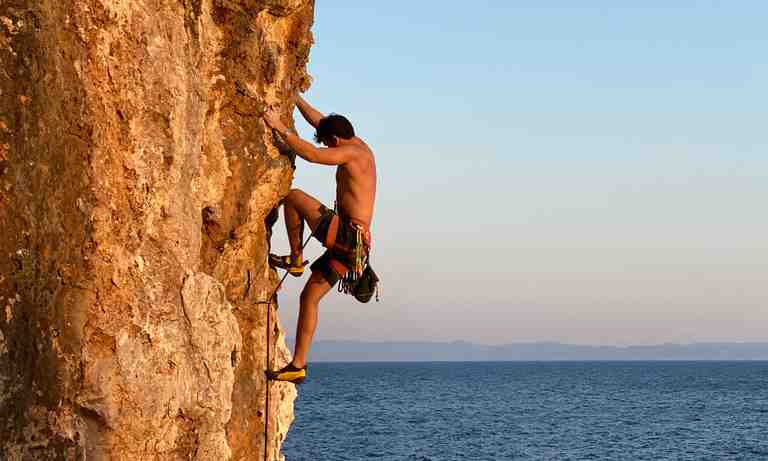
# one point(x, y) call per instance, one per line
point(538, 411)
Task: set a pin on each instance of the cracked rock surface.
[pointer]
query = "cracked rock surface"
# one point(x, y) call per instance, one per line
point(137, 183)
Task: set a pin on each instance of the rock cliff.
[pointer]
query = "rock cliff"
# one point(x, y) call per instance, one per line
point(137, 181)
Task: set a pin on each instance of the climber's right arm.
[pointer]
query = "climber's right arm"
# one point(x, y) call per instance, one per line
point(306, 150)
point(310, 114)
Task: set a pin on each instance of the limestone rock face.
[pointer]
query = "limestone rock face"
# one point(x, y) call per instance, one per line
point(137, 181)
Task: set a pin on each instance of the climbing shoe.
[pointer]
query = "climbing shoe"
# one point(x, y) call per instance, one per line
point(295, 268)
point(288, 373)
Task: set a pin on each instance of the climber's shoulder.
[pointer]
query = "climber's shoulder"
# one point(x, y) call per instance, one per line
point(362, 152)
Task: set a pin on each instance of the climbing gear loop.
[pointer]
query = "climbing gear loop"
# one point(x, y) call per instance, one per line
point(360, 280)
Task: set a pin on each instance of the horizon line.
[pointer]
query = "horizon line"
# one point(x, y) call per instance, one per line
point(543, 342)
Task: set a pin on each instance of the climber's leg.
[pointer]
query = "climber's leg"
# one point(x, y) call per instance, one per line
point(313, 292)
point(297, 208)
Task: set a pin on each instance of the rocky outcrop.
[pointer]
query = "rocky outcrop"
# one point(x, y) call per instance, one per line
point(137, 181)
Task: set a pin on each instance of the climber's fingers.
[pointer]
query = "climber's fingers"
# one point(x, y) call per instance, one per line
point(272, 118)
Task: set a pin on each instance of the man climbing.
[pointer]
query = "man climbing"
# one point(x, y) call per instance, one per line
point(345, 232)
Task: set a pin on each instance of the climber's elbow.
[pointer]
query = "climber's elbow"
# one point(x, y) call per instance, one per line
point(308, 152)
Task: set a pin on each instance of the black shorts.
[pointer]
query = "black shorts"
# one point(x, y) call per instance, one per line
point(342, 251)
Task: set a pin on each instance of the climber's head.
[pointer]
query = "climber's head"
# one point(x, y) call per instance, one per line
point(332, 128)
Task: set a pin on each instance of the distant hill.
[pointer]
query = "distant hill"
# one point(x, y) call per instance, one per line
point(358, 351)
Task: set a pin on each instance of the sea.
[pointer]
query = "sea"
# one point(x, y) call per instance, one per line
point(441, 411)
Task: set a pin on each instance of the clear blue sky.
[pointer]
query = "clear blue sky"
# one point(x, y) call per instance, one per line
point(553, 170)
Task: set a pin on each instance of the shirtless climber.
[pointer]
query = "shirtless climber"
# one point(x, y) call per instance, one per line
point(345, 232)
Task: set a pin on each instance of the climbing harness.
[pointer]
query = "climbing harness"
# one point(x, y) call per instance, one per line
point(359, 280)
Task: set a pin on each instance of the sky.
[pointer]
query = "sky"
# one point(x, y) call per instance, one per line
point(590, 172)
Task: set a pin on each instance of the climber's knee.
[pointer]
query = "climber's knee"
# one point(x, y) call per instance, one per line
point(295, 195)
point(314, 290)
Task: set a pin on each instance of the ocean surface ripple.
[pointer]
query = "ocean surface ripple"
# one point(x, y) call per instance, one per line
point(537, 411)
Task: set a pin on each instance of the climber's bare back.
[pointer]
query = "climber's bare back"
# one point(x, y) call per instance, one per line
point(356, 183)
point(356, 165)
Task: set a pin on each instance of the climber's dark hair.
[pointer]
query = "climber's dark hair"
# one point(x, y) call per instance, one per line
point(333, 125)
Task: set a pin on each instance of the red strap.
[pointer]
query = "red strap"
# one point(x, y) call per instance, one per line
point(333, 231)
point(340, 268)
